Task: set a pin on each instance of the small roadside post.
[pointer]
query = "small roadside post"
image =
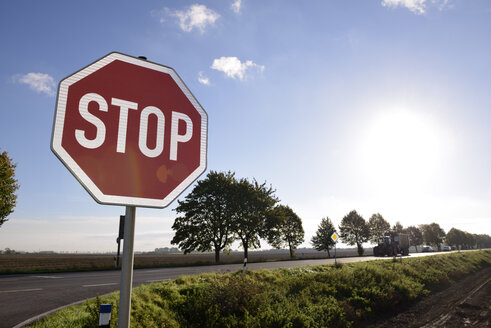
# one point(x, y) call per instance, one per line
point(105, 315)
point(335, 238)
point(245, 264)
point(132, 133)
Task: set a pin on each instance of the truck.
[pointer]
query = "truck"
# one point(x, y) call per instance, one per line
point(391, 244)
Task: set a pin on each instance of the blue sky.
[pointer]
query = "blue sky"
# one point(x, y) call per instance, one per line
point(374, 105)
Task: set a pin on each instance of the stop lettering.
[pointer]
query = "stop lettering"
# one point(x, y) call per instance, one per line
point(124, 107)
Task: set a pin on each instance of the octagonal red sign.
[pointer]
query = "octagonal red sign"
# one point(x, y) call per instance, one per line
point(130, 131)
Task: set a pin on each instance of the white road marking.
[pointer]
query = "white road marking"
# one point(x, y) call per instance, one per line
point(20, 290)
point(97, 285)
point(48, 277)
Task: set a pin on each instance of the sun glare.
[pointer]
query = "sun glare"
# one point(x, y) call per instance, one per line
point(400, 152)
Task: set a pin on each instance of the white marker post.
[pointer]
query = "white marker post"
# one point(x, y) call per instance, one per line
point(127, 268)
point(105, 315)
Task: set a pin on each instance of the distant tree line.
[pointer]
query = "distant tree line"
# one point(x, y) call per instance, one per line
point(9, 251)
point(354, 230)
point(162, 250)
point(465, 240)
point(222, 209)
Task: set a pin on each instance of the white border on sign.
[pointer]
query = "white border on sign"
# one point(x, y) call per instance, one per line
point(76, 170)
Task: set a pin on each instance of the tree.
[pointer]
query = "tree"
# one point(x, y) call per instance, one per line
point(8, 187)
point(378, 227)
point(459, 238)
point(286, 229)
point(485, 241)
point(470, 240)
point(415, 236)
point(9, 251)
point(398, 227)
point(253, 203)
point(465, 240)
point(482, 240)
point(433, 234)
point(207, 215)
point(354, 230)
point(322, 239)
point(454, 237)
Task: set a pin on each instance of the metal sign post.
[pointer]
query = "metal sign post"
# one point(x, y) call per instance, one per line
point(127, 268)
point(334, 238)
point(335, 263)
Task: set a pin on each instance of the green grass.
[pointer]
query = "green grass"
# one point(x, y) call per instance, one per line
point(315, 296)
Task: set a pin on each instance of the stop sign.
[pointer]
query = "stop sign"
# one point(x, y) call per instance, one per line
point(130, 131)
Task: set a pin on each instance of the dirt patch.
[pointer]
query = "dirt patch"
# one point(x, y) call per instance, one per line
point(466, 303)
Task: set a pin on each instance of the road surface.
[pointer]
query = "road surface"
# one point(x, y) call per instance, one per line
point(24, 296)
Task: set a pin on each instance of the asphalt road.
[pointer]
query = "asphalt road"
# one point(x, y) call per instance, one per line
point(24, 296)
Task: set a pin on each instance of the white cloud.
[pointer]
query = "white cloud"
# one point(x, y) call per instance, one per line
point(233, 67)
point(196, 16)
point(442, 4)
point(236, 5)
point(416, 6)
point(161, 14)
point(203, 79)
point(40, 82)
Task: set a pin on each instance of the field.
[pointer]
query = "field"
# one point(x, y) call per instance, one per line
point(37, 263)
point(318, 296)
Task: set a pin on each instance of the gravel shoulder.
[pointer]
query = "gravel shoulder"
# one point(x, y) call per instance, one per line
point(465, 303)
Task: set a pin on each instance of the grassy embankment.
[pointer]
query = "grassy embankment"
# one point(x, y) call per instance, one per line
point(320, 296)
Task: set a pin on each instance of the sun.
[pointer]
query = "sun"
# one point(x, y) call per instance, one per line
point(400, 152)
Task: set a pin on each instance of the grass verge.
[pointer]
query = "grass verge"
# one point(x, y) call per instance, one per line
point(315, 296)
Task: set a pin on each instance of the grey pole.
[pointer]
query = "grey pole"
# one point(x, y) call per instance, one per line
point(127, 268)
point(335, 244)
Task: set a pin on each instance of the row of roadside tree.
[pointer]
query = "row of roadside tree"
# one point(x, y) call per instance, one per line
point(354, 230)
point(222, 209)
